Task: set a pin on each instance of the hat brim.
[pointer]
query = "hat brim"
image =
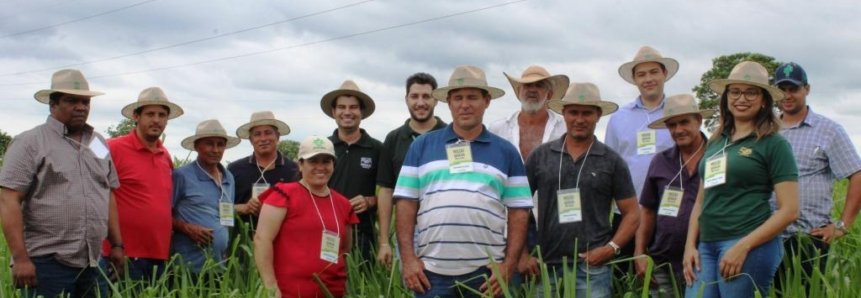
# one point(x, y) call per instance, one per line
point(44, 96)
point(658, 124)
point(560, 84)
point(719, 86)
point(441, 93)
point(329, 98)
point(607, 107)
point(175, 111)
point(244, 131)
point(312, 154)
point(188, 143)
point(626, 71)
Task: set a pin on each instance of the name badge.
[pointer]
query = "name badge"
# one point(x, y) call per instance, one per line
point(671, 201)
point(459, 158)
point(647, 142)
point(569, 205)
point(715, 171)
point(225, 213)
point(257, 189)
point(329, 247)
point(98, 148)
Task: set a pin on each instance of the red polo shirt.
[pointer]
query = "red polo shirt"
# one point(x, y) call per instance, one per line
point(143, 198)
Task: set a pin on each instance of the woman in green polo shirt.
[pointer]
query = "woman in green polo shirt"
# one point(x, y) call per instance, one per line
point(732, 248)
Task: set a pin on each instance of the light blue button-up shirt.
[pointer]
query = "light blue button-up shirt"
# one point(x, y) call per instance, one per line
point(621, 136)
point(195, 201)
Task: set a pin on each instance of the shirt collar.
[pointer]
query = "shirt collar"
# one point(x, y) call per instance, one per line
point(673, 153)
point(60, 127)
point(280, 158)
point(204, 176)
point(136, 143)
point(407, 132)
point(449, 135)
point(364, 140)
point(598, 148)
point(638, 103)
point(811, 119)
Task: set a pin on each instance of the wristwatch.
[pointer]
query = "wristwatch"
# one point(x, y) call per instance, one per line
point(616, 249)
point(840, 225)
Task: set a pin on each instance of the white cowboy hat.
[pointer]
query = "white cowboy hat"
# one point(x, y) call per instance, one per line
point(680, 104)
point(347, 88)
point(262, 118)
point(648, 54)
point(467, 76)
point(586, 94)
point(207, 129)
point(537, 73)
point(69, 81)
point(750, 73)
point(152, 96)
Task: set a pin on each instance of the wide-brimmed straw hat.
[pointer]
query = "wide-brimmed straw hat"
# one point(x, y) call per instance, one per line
point(207, 129)
point(586, 94)
point(69, 81)
point(648, 54)
point(467, 76)
point(537, 73)
point(262, 118)
point(152, 96)
point(677, 105)
point(750, 73)
point(315, 145)
point(347, 88)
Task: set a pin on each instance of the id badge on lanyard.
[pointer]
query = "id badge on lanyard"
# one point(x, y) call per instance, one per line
point(459, 158)
point(329, 246)
point(257, 189)
point(671, 201)
point(570, 209)
point(715, 171)
point(225, 213)
point(647, 142)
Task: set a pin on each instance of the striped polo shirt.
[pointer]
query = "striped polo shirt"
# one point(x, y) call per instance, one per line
point(462, 217)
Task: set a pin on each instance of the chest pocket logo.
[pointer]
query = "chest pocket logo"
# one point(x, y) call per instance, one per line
point(744, 151)
point(366, 162)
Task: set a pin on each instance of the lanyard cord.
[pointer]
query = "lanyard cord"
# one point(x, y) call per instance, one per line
point(563, 149)
point(220, 188)
point(682, 166)
point(320, 215)
point(264, 170)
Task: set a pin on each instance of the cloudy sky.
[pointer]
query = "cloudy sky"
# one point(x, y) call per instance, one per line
point(209, 60)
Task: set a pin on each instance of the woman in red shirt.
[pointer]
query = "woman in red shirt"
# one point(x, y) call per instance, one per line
point(305, 229)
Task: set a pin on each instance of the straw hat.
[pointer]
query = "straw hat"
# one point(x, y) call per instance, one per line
point(69, 81)
point(680, 104)
point(586, 94)
point(262, 118)
point(537, 73)
point(750, 73)
point(210, 128)
point(347, 88)
point(315, 145)
point(467, 76)
point(648, 54)
point(152, 96)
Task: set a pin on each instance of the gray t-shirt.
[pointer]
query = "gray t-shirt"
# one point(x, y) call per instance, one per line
point(605, 177)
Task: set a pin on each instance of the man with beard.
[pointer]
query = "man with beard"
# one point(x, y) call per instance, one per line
point(358, 156)
point(421, 105)
point(824, 154)
point(56, 203)
point(144, 168)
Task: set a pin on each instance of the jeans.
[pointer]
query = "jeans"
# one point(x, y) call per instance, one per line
point(810, 250)
point(594, 282)
point(444, 286)
point(664, 279)
point(138, 269)
point(55, 278)
point(756, 273)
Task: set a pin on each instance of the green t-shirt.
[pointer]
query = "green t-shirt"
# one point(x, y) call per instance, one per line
point(740, 205)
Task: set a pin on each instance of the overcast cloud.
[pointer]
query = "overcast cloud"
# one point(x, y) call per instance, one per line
point(586, 40)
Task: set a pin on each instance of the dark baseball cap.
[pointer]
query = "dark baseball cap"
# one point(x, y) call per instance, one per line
point(790, 72)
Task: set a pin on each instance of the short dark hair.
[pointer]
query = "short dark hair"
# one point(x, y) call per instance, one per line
point(361, 102)
point(139, 110)
point(421, 78)
point(54, 98)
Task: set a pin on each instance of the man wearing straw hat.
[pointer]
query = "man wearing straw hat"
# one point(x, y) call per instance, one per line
point(628, 132)
point(420, 104)
point(265, 167)
point(669, 193)
point(453, 191)
point(358, 158)
point(577, 179)
point(144, 168)
point(203, 195)
point(56, 200)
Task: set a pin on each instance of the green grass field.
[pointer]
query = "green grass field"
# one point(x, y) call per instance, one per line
point(368, 279)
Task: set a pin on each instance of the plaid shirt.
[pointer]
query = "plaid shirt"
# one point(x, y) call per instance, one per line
point(66, 191)
point(824, 153)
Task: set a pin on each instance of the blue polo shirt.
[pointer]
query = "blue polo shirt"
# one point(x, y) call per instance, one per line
point(462, 217)
point(195, 201)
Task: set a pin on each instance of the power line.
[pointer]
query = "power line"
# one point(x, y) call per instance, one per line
point(289, 47)
point(78, 20)
point(188, 42)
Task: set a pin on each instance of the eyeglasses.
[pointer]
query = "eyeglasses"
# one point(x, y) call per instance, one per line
point(749, 94)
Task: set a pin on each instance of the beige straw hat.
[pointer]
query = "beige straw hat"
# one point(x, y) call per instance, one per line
point(152, 96)
point(750, 73)
point(210, 128)
point(262, 118)
point(347, 88)
point(680, 104)
point(467, 76)
point(69, 81)
point(583, 94)
point(648, 54)
point(537, 73)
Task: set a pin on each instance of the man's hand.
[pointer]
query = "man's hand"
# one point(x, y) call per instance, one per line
point(641, 264)
point(360, 203)
point(199, 234)
point(384, 255)
point(598, 256)
point(118, 261)
point(414, 275)
point(828, 233)
point(529, 267)
point(250, 208)
point(24, 274)
point(493, 285)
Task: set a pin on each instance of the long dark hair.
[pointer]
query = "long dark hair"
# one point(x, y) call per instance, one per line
point(766, 122)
